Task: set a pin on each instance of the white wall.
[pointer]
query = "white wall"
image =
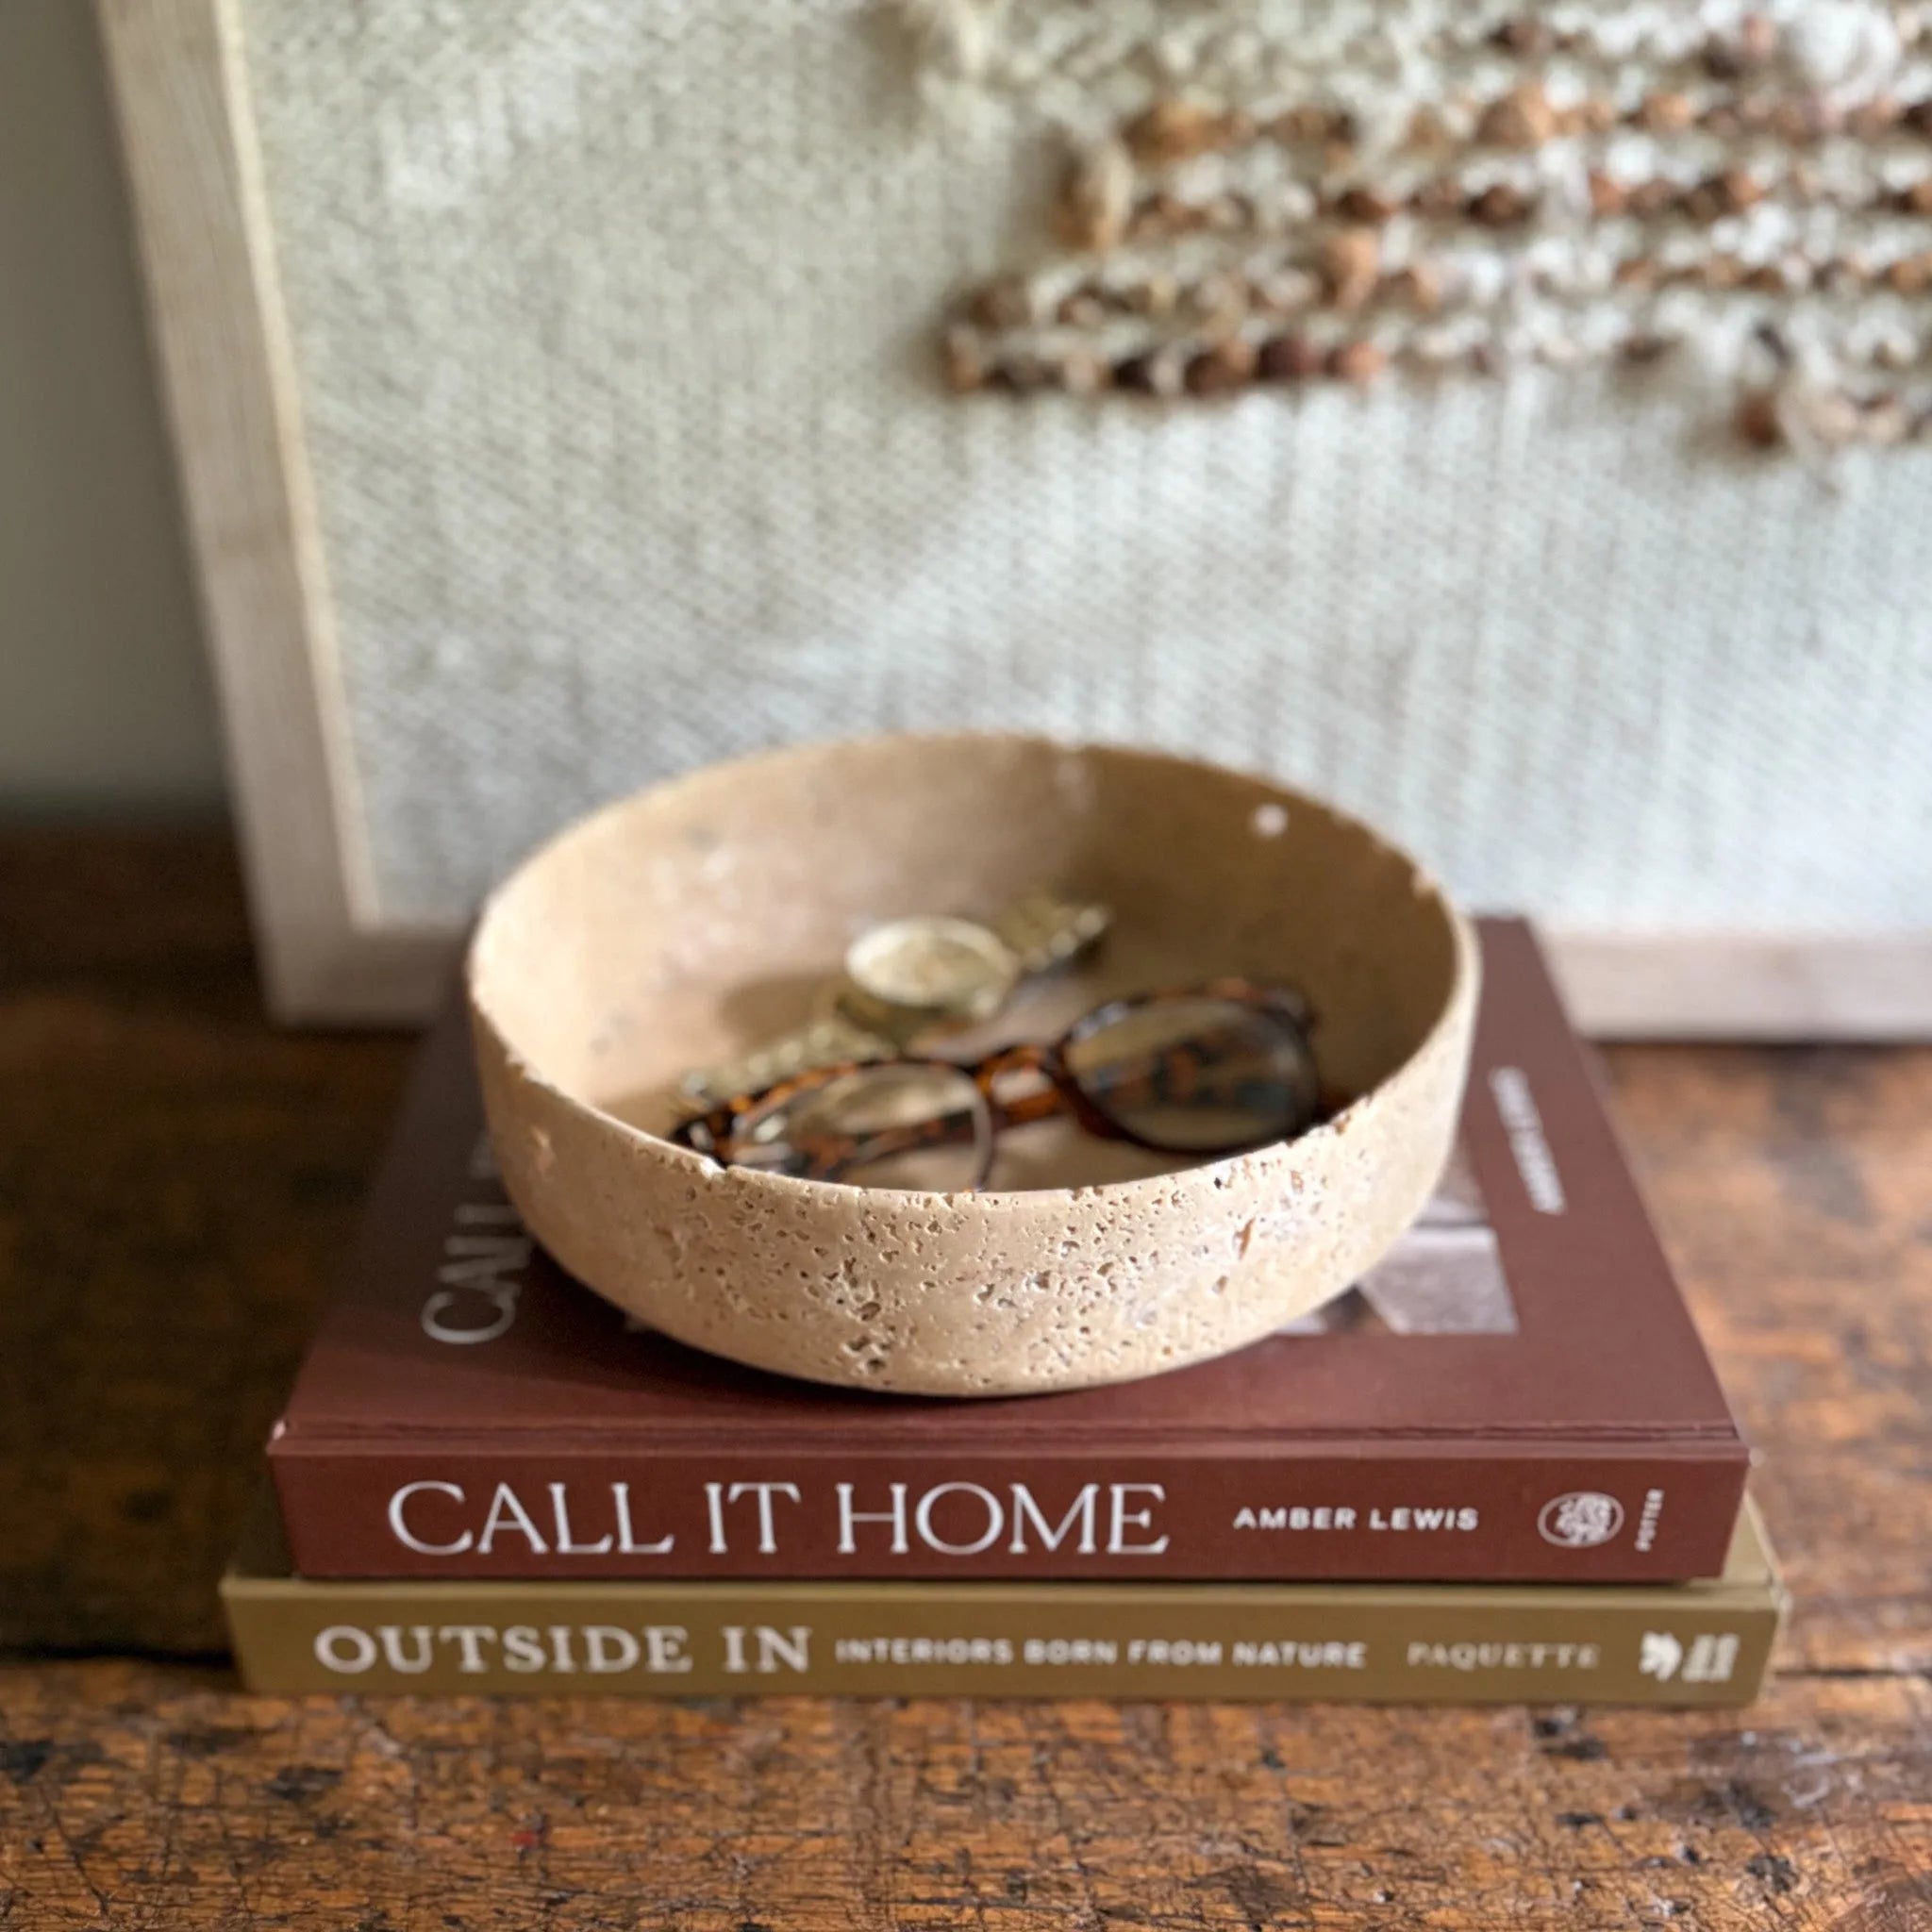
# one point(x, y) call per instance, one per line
point(104, 699)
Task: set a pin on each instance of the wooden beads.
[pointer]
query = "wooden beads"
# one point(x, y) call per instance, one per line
point(1566, 214)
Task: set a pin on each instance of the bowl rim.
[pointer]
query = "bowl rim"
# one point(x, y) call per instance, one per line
point(1457, 1001)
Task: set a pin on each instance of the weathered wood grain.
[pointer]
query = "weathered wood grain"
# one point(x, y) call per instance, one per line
point(176, 1181)
point(1795, 1190)
point(142, 1795)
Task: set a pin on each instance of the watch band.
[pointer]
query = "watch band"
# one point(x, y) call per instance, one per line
point(822, 1042)
point(1041, 931)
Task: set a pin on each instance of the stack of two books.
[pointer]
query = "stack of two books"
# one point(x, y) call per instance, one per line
point(1499, 1469)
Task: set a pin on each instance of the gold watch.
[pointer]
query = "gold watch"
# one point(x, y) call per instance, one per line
point(926, 974)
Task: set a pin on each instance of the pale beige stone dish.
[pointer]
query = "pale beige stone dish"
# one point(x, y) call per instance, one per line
point(689, 923)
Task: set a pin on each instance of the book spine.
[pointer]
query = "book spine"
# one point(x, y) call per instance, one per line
point(1367, 1514)
point(297, 1638)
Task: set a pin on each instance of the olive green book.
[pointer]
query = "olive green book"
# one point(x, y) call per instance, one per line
point(1693, 1644)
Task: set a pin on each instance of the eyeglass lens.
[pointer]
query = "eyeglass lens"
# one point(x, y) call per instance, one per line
point(1198, 1074)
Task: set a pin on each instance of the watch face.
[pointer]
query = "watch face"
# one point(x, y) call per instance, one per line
point(933, 964)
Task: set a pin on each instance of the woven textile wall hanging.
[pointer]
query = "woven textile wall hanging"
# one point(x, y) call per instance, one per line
point(1508, 419)
point(1737, 195)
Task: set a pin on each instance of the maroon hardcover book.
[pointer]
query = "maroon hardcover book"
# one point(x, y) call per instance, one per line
point(1515, 1394)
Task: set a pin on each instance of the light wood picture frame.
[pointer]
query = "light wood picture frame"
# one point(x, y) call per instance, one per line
point(329, 953)
point(223, 349)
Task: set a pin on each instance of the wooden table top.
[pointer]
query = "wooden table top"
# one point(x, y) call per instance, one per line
point(177, 1180)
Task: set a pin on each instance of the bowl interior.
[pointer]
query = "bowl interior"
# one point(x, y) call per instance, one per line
point(697, 920)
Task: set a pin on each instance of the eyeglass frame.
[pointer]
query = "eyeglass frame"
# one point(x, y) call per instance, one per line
point(1061, 1093)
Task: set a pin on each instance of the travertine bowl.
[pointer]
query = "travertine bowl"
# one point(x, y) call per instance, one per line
point(697, 919)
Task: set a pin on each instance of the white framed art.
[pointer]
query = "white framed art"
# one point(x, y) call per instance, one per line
point(568, 393)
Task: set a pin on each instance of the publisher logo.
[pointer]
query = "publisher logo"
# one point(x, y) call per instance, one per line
point(1581, 1520)
point(1712, 1657)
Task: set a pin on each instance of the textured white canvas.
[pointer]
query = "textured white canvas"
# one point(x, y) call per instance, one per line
point(614, 324)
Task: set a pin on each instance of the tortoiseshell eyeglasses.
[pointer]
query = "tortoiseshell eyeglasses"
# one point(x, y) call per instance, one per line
point(1211, 1070)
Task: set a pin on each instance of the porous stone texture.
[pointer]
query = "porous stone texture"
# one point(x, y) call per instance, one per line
point(693, 920)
